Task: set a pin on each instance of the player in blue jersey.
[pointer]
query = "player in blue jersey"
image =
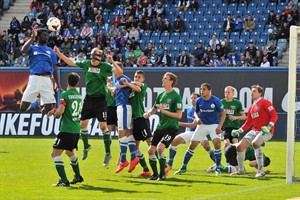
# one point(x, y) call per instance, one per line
point(124, 115)
point(42, 64)
point(186, 136)
point(211, 116)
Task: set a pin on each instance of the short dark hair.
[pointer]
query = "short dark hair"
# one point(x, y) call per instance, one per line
point(267, 161)
point(73, 79)
point(140, 72)
point(206, 85)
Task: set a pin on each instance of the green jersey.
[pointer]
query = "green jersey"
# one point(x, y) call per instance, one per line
point(95, 77)
point(250, 154)
point(171, 102)
point(110, 100)
point(70, 121)
point(137, 102)
point(232, 108)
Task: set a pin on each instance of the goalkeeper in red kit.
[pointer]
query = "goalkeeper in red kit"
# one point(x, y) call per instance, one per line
point(261, 117)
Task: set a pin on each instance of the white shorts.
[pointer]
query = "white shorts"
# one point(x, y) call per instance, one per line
point(187, 136)
point(203, 130)
point(39, 85)
point(124, 113)
point(251, 135)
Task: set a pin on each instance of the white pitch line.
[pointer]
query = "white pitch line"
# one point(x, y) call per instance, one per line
point(240, 191)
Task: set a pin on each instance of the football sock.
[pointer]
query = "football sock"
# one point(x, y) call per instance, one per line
point(259, 158)
point(141, 157)
point(211, 154)
point(60, 168)
point(162, 163)
point(240, 158)
point(84, 137)
point(172, 153)
point(35, 104)
point(132, 147)
point(188, 155)
point(74, 164)
point(152, 161)
point(123, 148)
point(218, 157)
point(106, 140)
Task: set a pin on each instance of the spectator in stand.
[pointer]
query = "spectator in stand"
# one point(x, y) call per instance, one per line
point(290, 20)
point(249, 24)
point(113, 31)
point(283, 16)
point(34, 7)
point(213, 42)
point(15, 26)
point(86, 32)
point(194, 6)
point(148, 26)
point(267, 54)
point(273, 51)
point(219, 51)
point(287, 10)
point(159, 10)
point(203, 63)
point(238, 24)
point(295, 15)
point(194, 62)
point(160, 49)
point(140, 23)
point(10, 49)
point(265, 62)
point(214, 61)
point(228, 25)
point(234, 58)
point(101, 38)
point(271, 17)
point(43, 18)
point(154, 58)
point(120, 10)
point(120, 58)
point(248, 58)
point(251, 49)
point(284, 31)
point(78, 21)
point(99, 19)
point(69, 18)
point(137, 51)
point(26, 24)
point(199, 51)
point(131, 57)
point(183, 5)
point(149, 12)
point(167, 26)
point(108, 6)
point(142, 60)
point(209, 52)
point(179, 26)
point(66, 46)
point(243, 62)
point(148, 49)
point(60, 14)
point(257, 59)
point(278, 23)
point(121, 41)
point(183, 60)
point(165, 59)
point(133, 33)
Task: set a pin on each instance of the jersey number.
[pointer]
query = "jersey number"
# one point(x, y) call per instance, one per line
point(76, 108)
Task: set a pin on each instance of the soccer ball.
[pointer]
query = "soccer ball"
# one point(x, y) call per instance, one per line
point(53, 24)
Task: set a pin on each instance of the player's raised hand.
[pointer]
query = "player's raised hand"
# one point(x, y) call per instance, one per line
point(124, 80)
point(109, 58)
point(56, 50)
point(35, 30)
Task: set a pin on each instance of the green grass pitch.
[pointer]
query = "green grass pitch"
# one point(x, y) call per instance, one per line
point(27, 172)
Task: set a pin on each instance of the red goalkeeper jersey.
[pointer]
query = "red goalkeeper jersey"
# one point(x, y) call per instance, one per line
point(261, 113)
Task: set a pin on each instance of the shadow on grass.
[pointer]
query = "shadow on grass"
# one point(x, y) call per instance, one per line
point(268, 177)
point(107, 190)
point(4, 151)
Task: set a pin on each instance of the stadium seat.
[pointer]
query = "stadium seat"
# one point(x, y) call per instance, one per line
point(165, 37)
point(184, 36)
point(272, 6)
point(155, 36)
point(175, 36)
point(195, 36)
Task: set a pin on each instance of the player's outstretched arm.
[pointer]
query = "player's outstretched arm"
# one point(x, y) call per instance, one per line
point(117, 69)
point(26, 46)
point(67, 60)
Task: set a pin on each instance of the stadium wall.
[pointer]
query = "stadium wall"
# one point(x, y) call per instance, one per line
point(32, 124)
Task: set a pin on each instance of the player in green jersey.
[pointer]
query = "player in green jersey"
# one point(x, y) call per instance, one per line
point(234, 113)
point(67, 139)
point(169, 103)
point(141, 126)
point(96, 72)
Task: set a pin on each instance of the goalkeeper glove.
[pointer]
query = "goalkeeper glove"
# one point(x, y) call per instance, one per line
point(266, 129)
point(236, 132)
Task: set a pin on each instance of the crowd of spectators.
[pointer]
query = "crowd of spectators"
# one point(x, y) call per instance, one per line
point(117, 27)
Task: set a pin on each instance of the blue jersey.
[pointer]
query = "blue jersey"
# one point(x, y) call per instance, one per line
point(41, 59)
point(122, 95)
point(209, 111)
point(190, 117)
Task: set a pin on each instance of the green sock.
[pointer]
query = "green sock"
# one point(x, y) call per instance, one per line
point(162, 165)
point(75, 165)
point(143, 164)
point(60, 168)
point(153, 166)
point(107, 141)
point(84, 137)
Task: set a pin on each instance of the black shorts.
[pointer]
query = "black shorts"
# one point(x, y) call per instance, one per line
point(66, 141)
point(112, 118)
point(164, 136)
point(230, 154)
point(141, 129)
point(94, 107)
point(227, 134)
